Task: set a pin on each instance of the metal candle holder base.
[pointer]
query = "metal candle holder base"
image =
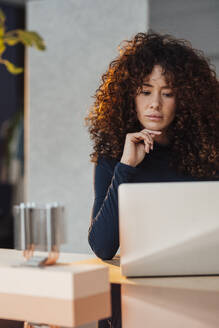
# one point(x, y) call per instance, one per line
point(39, 227)
point(32, 325)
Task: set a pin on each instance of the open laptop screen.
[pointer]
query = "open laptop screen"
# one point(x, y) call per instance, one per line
point(169, 228)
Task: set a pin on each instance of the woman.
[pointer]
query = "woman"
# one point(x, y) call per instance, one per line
point(155, 118)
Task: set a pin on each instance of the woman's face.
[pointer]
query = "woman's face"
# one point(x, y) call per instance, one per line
point(155, 103)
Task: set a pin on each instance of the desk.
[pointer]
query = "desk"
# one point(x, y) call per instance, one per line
point(172, 302)
point(61, 295)
point(176, 302)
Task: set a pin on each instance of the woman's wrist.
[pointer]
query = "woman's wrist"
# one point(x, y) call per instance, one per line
point(127, 162)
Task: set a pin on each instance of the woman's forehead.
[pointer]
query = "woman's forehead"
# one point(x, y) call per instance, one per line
point(158, 74)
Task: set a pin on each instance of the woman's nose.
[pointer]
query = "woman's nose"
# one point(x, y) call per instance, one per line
point(155, 102)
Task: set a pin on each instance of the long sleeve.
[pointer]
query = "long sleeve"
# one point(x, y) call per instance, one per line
point(104, 229)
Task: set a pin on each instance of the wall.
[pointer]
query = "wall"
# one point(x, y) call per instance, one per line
point(82, 38)
point(196, 21)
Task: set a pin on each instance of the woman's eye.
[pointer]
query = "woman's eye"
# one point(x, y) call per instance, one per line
point(169, 95)
point(146, 93)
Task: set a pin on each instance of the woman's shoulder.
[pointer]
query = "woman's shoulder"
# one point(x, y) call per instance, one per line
point(104, 171)
point(106, 162)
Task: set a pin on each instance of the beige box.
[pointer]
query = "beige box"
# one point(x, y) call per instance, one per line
point(64, 294)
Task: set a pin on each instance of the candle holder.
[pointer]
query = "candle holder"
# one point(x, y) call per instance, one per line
point(39, 228)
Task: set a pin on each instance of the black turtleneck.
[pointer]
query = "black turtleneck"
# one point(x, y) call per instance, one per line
point(109, 174)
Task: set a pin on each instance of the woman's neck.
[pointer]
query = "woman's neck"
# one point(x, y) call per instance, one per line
point(162, 139)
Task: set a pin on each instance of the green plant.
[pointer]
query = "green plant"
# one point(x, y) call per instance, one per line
point(11, 38)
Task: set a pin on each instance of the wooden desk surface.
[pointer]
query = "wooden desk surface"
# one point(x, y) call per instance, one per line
point(62, 294)
point(202, 283)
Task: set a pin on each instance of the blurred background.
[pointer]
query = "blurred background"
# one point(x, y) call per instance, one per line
point(54, 94)
point(11, 128)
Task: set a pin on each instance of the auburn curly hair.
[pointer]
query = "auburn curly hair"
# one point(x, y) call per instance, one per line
point(194, 133)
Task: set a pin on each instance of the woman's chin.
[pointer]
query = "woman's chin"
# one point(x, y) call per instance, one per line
point(154, 126)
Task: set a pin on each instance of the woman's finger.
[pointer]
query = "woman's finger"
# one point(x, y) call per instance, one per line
point(150, 139)
point(142, 136)
point(147, 147)
point(148, 135)
point(155, 132)
point(138, 136)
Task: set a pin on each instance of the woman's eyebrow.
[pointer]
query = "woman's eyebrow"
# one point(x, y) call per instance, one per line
point(151, 86)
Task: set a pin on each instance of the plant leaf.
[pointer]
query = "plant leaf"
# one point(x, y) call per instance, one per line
point(23, 37)
point(38, 41)
point(12, 68)
point(2, 46)
point(2, 31)
point(11, 40)
point(30, 38)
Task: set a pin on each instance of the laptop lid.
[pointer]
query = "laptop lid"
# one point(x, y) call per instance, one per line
point(169, 228)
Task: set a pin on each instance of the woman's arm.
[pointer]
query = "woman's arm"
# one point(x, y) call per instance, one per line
point(104, 229)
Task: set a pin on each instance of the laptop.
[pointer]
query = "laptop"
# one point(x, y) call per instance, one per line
point(169, 228)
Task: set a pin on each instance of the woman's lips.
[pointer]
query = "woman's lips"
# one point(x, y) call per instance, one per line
point(154, 117)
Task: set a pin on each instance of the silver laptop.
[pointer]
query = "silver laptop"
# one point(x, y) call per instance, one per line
point(169, 228)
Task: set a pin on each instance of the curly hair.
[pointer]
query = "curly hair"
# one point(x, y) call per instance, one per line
point(193, 133)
